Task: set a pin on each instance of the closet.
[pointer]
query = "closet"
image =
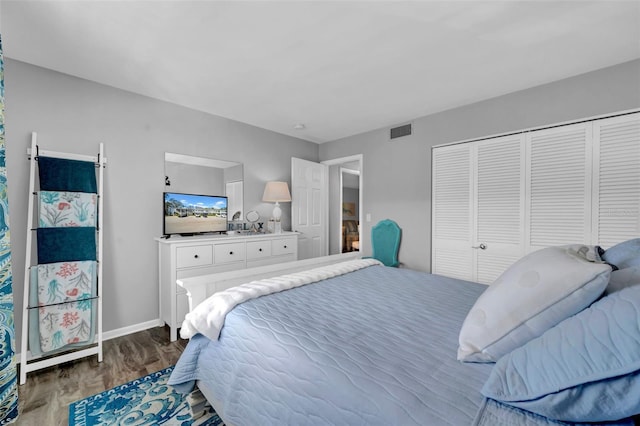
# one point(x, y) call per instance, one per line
point(62, 309)
point(497, 199)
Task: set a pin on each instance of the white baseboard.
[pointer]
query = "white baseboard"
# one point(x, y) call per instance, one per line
point(108, 335)
point(119, 332)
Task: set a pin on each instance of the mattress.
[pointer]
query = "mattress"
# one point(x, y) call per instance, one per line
point(373, 347)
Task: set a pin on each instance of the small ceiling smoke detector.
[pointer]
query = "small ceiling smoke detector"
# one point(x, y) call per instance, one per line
point(299, 126)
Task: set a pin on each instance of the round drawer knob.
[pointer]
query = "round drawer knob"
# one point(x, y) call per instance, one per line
point(230, 252)
point(196, 256)
point(285, 246)
point(259, 249)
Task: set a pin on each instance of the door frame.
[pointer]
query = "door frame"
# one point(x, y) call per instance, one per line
point(341, 171)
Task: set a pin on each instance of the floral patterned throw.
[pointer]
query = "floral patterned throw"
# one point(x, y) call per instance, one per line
point(66, 291)
point(66, 209)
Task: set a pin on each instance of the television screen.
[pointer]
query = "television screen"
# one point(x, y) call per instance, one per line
point(189, 214)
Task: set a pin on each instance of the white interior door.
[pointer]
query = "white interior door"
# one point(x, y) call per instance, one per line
point(309, 207)
point(616, 180)
point(452, 214)
point(478, 208)
point(499, 205)
point(558, 185)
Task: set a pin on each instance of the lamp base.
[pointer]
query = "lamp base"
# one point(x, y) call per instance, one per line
point(277, 212)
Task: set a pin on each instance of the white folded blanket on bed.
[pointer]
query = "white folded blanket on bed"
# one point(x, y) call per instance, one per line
point(208, 317)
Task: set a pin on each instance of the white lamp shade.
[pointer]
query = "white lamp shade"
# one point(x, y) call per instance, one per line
point(276, 192)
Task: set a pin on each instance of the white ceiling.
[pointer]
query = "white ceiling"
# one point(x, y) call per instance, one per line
point(340, 68)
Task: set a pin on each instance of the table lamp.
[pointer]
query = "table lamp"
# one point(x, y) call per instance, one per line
point(276, 192)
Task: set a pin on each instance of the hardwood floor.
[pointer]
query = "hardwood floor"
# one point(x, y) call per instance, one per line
point(44, 399)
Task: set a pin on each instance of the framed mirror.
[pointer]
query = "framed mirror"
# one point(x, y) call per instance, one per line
point(253, 217)
point(207, 176)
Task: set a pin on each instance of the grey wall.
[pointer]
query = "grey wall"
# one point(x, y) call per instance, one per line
point(188, 178)
point(74, 115)
point(397, 174)
point(233, 174)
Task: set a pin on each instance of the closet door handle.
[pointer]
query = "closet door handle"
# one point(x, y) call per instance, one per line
point(482, 246)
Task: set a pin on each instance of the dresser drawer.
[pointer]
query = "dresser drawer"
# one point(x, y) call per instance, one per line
point(283, 246)
point(231, 252)
point(188, 257)
point(258, 249)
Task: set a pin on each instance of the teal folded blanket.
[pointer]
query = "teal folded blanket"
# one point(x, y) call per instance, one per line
point(66, 244)
point(58, 174)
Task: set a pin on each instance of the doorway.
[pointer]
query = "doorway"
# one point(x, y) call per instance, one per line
point(350, 193)
point(345, 202)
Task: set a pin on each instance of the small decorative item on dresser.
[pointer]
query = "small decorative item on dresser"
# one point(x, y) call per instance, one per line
point(253, 217)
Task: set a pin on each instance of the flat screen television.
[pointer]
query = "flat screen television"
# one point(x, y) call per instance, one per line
point(192, 214)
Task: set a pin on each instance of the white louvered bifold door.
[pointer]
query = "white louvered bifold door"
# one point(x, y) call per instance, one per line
point(452, 212)
point(616, 179)
point(558, 185)
point(499, 205)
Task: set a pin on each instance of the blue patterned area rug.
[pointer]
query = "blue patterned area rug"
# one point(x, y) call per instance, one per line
point(144, 401)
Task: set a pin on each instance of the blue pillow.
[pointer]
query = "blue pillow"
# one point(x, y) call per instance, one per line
point(587, 368)
point(624, 255)
point(623, 278)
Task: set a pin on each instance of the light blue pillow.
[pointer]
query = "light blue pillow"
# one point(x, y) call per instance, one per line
point(587, 368)
point(623, 278)
point(624, 255)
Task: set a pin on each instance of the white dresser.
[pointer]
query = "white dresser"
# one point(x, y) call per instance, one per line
point(185, 257)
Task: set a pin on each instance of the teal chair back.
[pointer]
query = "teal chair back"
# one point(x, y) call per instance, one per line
point(385, 242)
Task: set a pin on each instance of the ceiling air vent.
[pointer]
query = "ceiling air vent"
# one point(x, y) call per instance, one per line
point(400, 131)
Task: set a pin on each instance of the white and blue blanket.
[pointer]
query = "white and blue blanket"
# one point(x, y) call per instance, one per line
point(64, 294)
point(376, 346)
point(63, 209)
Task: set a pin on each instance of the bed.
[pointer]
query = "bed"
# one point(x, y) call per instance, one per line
point(362, 345)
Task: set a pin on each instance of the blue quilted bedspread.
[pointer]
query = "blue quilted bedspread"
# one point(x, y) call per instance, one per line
point(373, 347)
point(494, 413)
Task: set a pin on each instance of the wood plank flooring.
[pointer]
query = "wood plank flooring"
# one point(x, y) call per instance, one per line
point(44, 399)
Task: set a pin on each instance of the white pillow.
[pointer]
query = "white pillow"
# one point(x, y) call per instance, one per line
point(533, 295)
